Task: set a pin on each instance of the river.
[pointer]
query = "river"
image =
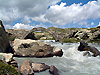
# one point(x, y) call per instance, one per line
point(71, 63)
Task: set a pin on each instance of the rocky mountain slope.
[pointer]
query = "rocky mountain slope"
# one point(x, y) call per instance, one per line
point(58, 34)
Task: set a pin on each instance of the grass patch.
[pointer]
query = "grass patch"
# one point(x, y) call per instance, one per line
point(95, 41)
point(7, 68)
point(10, 38)
point(71, 40)
point(94, 29)
point(57, 29)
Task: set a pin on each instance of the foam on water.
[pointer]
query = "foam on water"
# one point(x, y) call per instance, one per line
point(71, 63)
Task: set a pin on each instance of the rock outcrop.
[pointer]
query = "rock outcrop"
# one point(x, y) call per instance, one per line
point(53, 70)
point(4, 43)
point(30, 67)
point(38, 67)
point(6, 57)
point(85, 47)
point(57, 34)
point(33, 48)
point(25, 68)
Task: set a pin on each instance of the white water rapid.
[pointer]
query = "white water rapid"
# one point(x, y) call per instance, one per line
point(71, 63)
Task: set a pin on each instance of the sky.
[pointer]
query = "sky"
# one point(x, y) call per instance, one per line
point(28, 14)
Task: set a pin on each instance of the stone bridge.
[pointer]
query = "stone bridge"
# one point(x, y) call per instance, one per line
point(42, 29)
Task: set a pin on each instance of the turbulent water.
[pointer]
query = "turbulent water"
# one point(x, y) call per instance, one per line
point(71, 63)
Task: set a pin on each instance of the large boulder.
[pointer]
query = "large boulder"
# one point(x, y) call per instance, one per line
point(6, 57)
point(30, 67)
point(85, 47)
point(33, 48)
point(38, 67)
point(53, 70)
point(25, 68)
point(4, 43)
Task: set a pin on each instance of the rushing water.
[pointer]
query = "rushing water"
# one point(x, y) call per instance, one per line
point(71, 63)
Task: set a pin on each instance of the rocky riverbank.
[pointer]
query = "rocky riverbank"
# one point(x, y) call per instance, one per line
point(25, 46)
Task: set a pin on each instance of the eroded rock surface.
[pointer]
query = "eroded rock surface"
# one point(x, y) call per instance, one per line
point(85, 47)
point(33, 48)
point(25, 68)
point(4, 43)
point(53, 70)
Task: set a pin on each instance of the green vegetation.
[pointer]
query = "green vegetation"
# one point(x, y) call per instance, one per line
point(72, 28)
point(39, 32)
point(39, 36)
point(95, 41)
point(10, 38)
point(71, 40)
point(57, 29)
point(94, 29)
point(51, 38)
point(5, 68)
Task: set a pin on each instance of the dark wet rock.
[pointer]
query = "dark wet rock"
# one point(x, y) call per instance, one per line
point(87, 54)
point(4, 43)
point(54, 71)
point(94, 50)
point(14, 63)
point(38, 67)
point(25, 68)
point(33, 48)
point(85, 47)
point(82, 45)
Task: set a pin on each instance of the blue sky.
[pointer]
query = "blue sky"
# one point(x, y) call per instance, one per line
point(27, 14)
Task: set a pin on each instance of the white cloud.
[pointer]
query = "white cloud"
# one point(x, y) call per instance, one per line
point(83, 23)
point(92, 23)
point(61, 15)
point(22, 26)
point(8, 16)
point(19, 26)
point(99, 24)
point(40, 18)
point(37, 10)
point(99, 1)
point(11, 10)
point(8, 27)
point(26, 20)
point(40, 25)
